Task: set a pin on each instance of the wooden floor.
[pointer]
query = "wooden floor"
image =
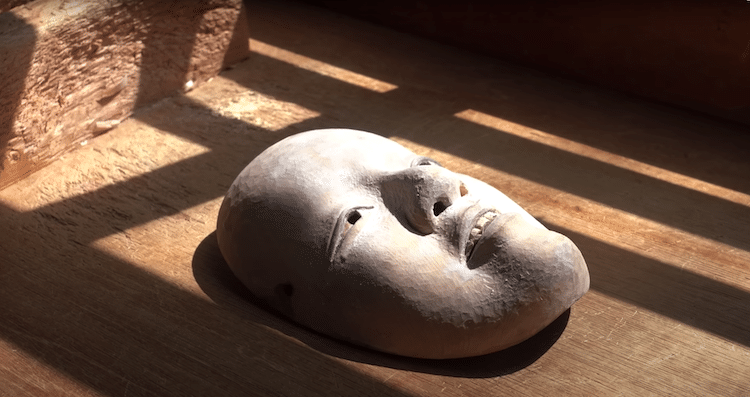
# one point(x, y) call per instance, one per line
point(111, 283)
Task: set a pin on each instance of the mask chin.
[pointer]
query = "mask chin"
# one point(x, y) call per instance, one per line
point(538, 264)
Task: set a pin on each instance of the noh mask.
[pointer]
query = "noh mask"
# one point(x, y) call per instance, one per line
point(355, 236)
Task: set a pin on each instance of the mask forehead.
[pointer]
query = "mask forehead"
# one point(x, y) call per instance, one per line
point(338, 150)
point(293, 192)
point(321, 171)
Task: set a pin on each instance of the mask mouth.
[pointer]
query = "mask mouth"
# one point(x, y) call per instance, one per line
point(477, 227)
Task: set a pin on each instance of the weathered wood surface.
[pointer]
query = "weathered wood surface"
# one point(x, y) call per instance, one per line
point(7, 5)
point(694, 54)
point(71, 70)
point(111, 283)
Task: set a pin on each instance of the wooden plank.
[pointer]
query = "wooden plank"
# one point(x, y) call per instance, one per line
point(690, 54)
point(111, 283)
point(72, 70)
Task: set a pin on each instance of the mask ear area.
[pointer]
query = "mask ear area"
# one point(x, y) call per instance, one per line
point(424, 161)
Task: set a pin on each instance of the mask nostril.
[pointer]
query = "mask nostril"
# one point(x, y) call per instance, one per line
point(438, 208)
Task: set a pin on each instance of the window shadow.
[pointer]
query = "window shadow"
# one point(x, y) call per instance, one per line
point(397, 112)
point(116, 328)
point(620, 123)
point(120, 330)
point(709, 216)
point(682, 295)
point(110, 326)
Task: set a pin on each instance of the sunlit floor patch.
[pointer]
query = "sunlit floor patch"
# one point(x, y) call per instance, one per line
point(320, 67)
point(254, 108)
point(104, 161)
point(153, 246)
point(580, 149)
point(649, 239)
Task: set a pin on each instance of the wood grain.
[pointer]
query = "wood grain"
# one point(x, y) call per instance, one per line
point(72, 70)
point(111, 283)
point(691, 54)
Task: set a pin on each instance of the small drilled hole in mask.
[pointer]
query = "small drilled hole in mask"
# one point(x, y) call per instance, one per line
point(438, 208)
point(463, 190)
point(285, 289)
point(353, 217)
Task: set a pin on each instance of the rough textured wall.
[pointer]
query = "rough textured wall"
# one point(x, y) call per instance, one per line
point(70, 70)
point(6, 5)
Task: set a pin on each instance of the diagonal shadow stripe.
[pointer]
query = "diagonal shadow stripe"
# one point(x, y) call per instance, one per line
point(134, 293)
point(659, 296)
point(120, 330)
point(665, 289)
point(111, 318)
point(670, 130)
point(673, 205)
point(679, 207)
point(589, 178)
point(173, 188)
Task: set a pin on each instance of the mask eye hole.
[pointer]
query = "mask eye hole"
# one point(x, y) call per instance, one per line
point(344, 222)
point(353, 217)
point(422, 161)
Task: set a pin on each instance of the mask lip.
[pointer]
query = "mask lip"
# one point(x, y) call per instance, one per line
point(468, 221)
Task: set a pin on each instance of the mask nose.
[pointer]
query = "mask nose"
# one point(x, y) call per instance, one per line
point(419, 195)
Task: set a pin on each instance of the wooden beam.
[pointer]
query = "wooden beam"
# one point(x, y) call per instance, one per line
point(72, 70)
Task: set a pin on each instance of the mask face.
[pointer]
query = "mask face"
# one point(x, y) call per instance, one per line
point(354, 236)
